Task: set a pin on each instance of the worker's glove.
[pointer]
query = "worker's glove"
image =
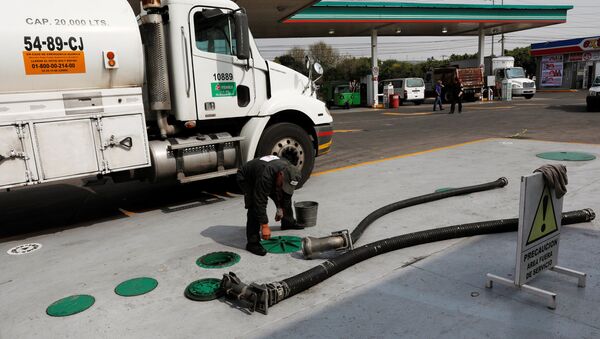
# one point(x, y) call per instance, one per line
point(555, 177)
point(266, 231)
point(279, 214)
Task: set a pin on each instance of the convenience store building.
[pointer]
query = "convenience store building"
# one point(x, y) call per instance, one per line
point(567, 64)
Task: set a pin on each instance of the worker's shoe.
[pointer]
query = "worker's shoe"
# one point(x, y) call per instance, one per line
point(294, 226)
point(256, 248)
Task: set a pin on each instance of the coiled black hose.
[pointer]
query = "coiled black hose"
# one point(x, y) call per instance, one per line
point(315, 275)
point(378, 213)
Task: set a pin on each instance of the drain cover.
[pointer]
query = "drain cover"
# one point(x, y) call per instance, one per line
point(135, 287)
point(282, 244)
point(567, 156)
point(24, 249)
point(70, 305)
point(203, 289)
point(218, 260)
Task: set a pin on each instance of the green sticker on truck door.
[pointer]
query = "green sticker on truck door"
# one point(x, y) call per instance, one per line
point(223, 89)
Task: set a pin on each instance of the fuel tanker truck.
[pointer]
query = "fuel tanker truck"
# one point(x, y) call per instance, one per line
point(176, 92)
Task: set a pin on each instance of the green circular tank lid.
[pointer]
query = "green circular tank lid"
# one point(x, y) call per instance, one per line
point(203, 289)
point(282, 244)
point(444, 189)
point(135, 287)
point(70, 305)
point(567, 156)
point(218, 260)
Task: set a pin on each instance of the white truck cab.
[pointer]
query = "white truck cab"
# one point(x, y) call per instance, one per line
point(593, 97)
point(504, 70)
point(179, 92)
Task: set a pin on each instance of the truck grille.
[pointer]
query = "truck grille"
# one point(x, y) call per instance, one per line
point(528, 85)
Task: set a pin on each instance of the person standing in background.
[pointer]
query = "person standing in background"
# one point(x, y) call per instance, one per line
point(438, 95)
point(457, 94)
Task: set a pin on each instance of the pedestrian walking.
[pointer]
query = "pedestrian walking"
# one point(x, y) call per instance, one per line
point(438, 95)
point(457, 94)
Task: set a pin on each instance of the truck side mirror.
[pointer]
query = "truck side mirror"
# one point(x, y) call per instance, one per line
point(242, 33)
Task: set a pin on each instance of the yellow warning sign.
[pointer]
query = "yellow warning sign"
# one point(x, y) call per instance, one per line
point(56, 62)
point(544, 222)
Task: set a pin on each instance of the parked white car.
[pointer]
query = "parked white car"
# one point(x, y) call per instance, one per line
point(409, 89)
point(593, 98)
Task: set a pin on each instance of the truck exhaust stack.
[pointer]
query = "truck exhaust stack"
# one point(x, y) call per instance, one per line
point(159, 93)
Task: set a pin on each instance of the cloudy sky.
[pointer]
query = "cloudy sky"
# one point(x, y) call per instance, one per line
point(582, 21)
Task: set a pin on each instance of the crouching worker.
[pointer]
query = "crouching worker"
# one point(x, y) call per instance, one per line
point(260, 179)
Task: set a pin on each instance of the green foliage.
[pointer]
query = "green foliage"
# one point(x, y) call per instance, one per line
point(324, 54)
point(289, 61)
point(458, 57)
point(346, 68)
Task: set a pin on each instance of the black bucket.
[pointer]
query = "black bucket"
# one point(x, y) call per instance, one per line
point(306, 213)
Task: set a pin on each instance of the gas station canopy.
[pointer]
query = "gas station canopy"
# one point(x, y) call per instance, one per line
point(306, 18)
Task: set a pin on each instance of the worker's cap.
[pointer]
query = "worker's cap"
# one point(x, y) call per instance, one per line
point(291, 179)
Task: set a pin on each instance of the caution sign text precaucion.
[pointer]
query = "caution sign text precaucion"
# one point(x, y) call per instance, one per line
point(54, 62)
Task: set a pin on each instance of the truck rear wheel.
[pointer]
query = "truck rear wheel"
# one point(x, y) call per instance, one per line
point(290, 142)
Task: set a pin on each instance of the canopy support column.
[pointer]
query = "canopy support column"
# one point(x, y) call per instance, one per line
point(374, 70)
point(481, 51)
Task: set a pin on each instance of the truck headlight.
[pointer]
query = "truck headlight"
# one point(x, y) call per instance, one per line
point(517, 85)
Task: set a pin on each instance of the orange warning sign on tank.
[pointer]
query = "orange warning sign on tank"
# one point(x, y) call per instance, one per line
point(56, 62)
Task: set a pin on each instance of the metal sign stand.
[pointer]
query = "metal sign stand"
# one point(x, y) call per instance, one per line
point(551, 296)
point(540, 215)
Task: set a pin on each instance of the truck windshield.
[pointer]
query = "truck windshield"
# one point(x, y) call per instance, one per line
point(342, 89)
point(418, 82)
point(597, 81)
point(517, 72)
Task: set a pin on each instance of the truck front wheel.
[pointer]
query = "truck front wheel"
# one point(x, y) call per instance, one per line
point(290, 142)
point(528, 96)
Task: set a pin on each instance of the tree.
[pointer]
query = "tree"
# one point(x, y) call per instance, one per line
point(466, 56)
point(298, 54)
point(288, 60)
point(324, 54)
point(294, 59)
point(391, 69)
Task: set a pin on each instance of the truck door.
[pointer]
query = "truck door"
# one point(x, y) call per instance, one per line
point(224, 84)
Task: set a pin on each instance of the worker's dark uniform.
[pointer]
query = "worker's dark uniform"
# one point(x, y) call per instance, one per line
point(456, 93)
point(257, 180)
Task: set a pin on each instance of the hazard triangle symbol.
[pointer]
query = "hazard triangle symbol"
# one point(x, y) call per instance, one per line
point(544, 222)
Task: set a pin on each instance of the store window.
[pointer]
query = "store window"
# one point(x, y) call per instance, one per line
point(215, 34)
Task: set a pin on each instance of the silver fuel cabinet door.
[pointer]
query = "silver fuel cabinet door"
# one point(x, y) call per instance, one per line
point(16, 153)
point(124, 142)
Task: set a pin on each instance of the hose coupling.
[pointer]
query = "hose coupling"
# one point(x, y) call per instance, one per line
point(591, 214)
point(254, 297)
point(504, 181)
point(337, 241)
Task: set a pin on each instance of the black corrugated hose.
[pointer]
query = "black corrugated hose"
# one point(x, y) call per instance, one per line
point(315, 275)
point(369, 219)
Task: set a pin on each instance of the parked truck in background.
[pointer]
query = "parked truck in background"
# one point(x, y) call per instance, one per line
point(179, 92)
point(504, 70)
point(470, 77)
